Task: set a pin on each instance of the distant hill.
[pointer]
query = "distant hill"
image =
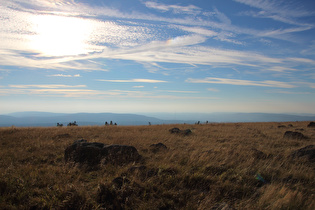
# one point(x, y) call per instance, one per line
point(232, 117)
point(44, 119)
point(244, 117)
point(51, 119)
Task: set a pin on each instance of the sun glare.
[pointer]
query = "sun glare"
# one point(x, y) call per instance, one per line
point(60, 36)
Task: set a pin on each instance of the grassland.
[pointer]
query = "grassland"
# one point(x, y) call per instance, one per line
point(215, 167)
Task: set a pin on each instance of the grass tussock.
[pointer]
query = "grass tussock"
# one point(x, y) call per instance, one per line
point(216, 166)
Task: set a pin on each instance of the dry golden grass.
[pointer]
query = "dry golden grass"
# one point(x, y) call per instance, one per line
point(214, 167)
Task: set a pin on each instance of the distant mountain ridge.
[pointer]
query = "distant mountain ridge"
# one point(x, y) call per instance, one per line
point(46, 119)
point(51, 119)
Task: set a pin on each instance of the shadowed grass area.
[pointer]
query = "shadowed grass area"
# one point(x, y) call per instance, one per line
point(226, 165)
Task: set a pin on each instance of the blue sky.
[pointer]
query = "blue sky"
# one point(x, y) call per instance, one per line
point(140, 56)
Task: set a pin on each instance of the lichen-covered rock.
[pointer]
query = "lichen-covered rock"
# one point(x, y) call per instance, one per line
point(94, 153)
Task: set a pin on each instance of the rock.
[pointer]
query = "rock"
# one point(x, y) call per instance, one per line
point(281, 126)
point(157, 147)
point(311, 125)
point(308, 152)
point(120, 154)
point(293, 135)
point(186, 132)
point(178, 131)
point(94, 153)
point(174, 130)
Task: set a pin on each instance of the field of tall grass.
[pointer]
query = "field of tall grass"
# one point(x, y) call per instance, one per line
point(216, 166)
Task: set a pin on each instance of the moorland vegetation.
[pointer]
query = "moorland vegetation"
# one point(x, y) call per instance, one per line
point(214, 166)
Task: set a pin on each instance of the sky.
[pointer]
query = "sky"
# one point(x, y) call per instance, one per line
point(139, 56)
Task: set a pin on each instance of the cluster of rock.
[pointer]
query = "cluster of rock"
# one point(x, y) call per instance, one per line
point(94, 153)
point(178, 131)
point(297, 135)
point(307, 152)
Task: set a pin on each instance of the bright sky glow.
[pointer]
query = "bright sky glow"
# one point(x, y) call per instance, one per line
point(60, 36)
point(157, 56)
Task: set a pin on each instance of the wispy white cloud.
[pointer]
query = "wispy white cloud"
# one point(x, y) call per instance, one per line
point(281, 69)
point(74, 92)
point(190, 9)
point(199, 30)
point(131, 39)
point(279, 10)
point(138, 86)
point(176, 51)
point(47, 86)
point(64, 75)
point(288, 92)
point(222, 17)
point(265, 83)
point(301, 60)
point(222, 36)
point(181, 91)
point(133, 80)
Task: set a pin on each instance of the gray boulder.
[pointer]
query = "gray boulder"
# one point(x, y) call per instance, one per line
point(94, 153)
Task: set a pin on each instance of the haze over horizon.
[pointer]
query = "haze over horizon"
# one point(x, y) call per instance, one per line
point(137, 56)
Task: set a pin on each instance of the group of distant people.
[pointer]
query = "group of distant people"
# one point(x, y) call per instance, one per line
point(111, 123)
point(74, 123)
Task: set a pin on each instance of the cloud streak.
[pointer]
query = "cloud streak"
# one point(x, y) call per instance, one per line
point(73, 92)
point(47, 86)
point(137, 41)
point(191, 9)
point(277, 10)
point(133, 80)
point(64, 75)
point(265, 83)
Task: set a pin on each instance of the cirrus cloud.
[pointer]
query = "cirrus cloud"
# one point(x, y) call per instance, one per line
point(265, 83)
point(133, 80)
